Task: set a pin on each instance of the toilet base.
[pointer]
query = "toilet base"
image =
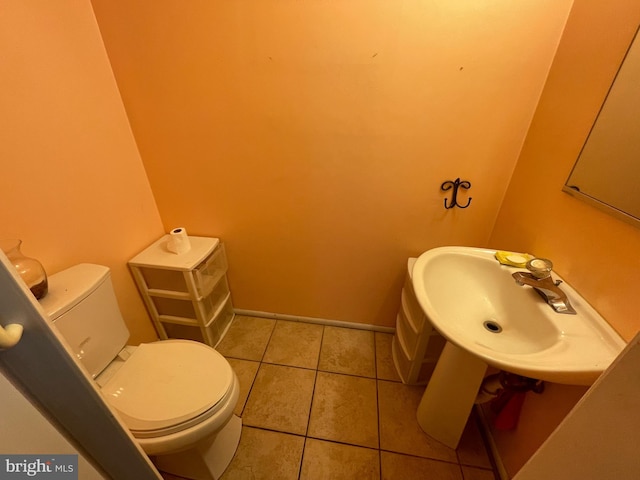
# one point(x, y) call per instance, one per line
point(208, 459)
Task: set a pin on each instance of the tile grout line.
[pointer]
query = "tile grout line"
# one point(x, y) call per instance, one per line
point(375, 367)
point(313, 394)
point(259, 362)
point(266, 347)
point(315, 382)
point(306, 437)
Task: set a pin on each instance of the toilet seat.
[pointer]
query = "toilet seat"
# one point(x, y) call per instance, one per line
point(168, 386)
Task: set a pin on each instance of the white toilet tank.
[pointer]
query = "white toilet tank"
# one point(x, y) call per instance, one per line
point(83, 306)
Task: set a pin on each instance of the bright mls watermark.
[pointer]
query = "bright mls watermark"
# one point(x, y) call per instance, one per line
point(50, 467)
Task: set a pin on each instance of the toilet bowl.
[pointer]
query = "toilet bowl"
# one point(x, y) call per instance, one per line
point(176, 396)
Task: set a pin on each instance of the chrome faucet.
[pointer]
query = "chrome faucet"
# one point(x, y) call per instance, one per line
point(539, 277)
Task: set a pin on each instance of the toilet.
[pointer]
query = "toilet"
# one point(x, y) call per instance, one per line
point(176, 396)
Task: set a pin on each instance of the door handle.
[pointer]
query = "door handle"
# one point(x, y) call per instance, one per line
point(10, 335)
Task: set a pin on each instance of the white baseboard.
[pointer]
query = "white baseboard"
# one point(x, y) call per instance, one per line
point(486, 430)
point(319, 321)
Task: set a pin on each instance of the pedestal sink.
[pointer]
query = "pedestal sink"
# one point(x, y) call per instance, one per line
point(488, 319)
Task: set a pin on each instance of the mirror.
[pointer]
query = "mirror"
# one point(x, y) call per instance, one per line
point(607, 172)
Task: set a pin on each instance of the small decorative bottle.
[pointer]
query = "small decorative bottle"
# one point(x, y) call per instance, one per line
point(31, 270)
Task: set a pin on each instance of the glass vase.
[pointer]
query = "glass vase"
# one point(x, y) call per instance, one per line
point(30, 269)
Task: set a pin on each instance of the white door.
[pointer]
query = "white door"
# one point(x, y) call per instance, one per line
point(44, 369)
point(24, 430)
point(600, 438)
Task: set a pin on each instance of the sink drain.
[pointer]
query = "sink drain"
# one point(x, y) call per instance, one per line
point(492, 326)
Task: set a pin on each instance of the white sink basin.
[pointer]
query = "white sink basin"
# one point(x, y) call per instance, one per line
point(461, 288)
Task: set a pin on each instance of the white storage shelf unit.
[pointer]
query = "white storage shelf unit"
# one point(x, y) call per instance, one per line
point(416, 345)
point(187, 294)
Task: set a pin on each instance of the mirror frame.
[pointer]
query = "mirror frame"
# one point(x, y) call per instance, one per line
point(605, 207)
point(593, 201)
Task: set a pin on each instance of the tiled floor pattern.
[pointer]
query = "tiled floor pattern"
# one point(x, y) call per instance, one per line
point(323, 402)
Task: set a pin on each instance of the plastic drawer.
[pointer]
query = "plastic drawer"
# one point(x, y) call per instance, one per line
point(223, 320)
point(161, 279)
point(186, 308)
point(402, 363)
point(408, 337)
point(209, 272)
point(216, 329)
point(411, 372)
point(205, 276)
point(413, 309)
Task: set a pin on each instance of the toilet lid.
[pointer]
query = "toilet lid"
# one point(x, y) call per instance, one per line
point(167, 383)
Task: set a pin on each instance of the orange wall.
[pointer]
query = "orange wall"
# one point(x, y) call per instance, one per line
point(72, 187)
point(313, 137)
point(595, 252)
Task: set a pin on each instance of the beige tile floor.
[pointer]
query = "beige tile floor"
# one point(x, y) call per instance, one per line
point(323, 402)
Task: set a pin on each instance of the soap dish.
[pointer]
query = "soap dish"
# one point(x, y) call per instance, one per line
point(513, 259)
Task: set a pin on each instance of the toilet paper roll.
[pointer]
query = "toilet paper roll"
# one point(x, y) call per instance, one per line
point(178, 241)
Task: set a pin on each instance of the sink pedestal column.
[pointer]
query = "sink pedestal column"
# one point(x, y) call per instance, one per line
point(450, 393)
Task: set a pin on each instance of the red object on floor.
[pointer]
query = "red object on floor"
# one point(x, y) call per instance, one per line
point(507, 418)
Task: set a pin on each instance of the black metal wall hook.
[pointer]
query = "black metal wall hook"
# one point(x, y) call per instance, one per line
point(456, 184)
